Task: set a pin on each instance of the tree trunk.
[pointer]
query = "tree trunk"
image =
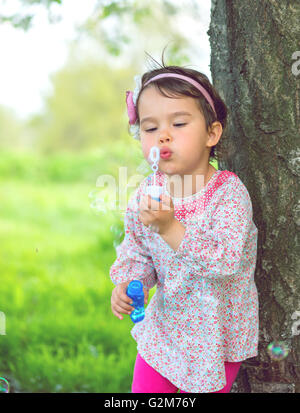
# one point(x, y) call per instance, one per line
point(253, 45)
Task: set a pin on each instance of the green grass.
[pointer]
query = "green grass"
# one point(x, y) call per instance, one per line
point(55, 288)
point(55, 291)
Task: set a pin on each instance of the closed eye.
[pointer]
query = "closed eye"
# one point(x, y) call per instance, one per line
point(177, 125)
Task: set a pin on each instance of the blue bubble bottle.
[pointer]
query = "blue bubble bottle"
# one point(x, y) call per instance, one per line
point(136, 293)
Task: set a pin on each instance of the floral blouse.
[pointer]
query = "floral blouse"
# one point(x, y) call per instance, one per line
point(205, 307)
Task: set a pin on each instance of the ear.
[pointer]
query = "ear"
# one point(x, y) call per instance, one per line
point(214, 133)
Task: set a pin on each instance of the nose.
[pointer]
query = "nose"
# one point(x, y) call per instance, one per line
point(164, 138)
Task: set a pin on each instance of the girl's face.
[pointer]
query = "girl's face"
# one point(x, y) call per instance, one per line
point(184, 134)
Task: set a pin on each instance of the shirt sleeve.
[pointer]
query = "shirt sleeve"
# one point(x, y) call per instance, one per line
point(216, 250)
point(133, 259)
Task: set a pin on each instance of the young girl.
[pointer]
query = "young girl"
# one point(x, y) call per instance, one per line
point(199, 249)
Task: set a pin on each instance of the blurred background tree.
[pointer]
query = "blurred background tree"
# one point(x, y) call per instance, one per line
point(85, 110)
point(26, 10)
point(86, 107)
point(11, 130)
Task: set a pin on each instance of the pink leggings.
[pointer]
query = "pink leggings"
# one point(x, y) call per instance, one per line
point(148, 380)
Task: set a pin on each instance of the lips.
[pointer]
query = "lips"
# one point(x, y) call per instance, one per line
point(165, 153)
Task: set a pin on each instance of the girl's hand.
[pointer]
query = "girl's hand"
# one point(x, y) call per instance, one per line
point(158, 214)
point(120, 302)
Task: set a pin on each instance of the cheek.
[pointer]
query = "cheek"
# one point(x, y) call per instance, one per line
point(146, 146)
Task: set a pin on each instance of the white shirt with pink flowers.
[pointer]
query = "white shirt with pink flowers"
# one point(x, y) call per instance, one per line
point(205, 307)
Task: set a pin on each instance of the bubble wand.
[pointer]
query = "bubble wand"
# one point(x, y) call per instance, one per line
point(154, 190)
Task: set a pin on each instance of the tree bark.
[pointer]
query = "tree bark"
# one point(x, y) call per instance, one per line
point(252, 43)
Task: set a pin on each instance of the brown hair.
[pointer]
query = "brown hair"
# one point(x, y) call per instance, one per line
point(181, 88)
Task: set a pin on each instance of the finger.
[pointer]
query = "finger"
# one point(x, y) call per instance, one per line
point(120, 309)
point(143, 220)
point(147, 202)
point(144, 203)
point(120, 292)
point(153, 204)
point(146, 295)
point(144, 209)
point(117, 314)
point(166, 198)
point(125, 304)
point(126, 308)
point(125, 298)
point(166, 202)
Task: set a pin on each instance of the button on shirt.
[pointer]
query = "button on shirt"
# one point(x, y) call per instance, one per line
point(205, 307)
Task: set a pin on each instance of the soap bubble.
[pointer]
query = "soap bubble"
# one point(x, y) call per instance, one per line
point(143, 168)
point(117, 234)
point(97, 201)
point(278, 350)
point(101, 201)
point(4, 385)
point(94, 351)
point(93, 193)
point(116, 230)
point(58, 388)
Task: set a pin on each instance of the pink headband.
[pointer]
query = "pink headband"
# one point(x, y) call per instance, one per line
point(130, 105)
